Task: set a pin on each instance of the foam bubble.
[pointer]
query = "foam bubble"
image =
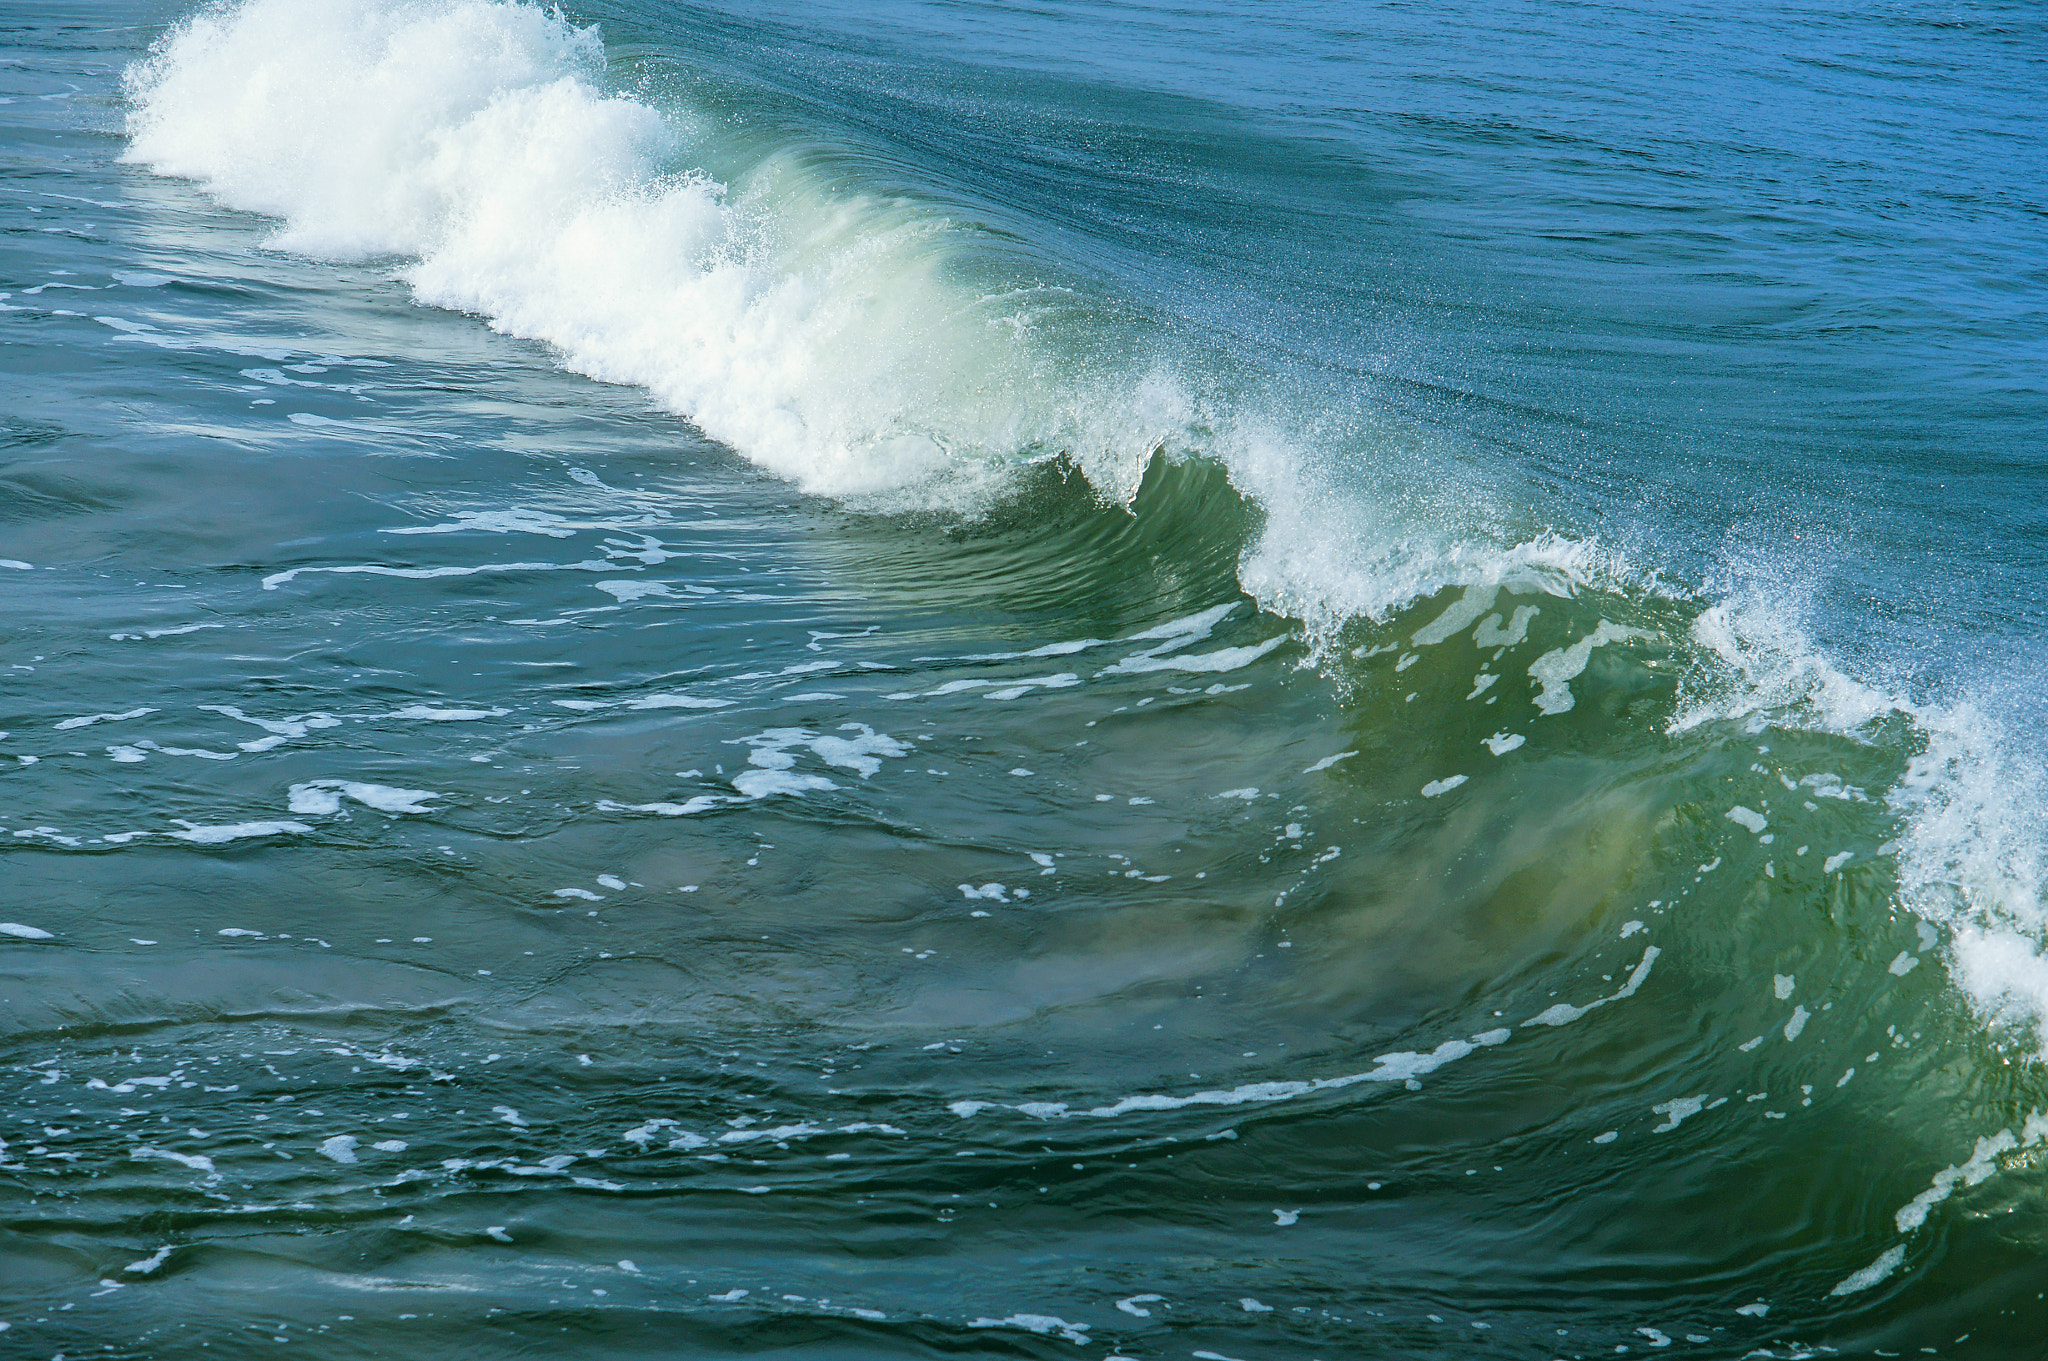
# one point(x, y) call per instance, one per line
point(1555, 670)
point(1973, 857)
point(87, 720)
point(1875, 1274)
point(215, 836)
point(149, 1264)
point(323, 797)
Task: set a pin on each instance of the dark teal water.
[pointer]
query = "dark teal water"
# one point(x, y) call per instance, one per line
point(931, 679)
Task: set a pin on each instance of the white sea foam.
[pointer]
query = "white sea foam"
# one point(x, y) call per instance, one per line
point(1038, 1323)
point(1980, 1167)
point(1875, 1274)
point(215, 836)
point(431, 713)
point(277, 579)
point(323, 797)
point(1491, 633)
point(89, 719)
point(280, 730)
point(774, 762)
point(148, 1265)
point(1973, 857)
point(1763, 664)
point(1327, 557)
point(1971, 850)
point(1749, 818)
point(1564, 1013)
point(162, 633)
point(1404, 1067)
point(827, 335)
point(697, 804)
point(626, 591)
point(1676, 1112)
point(1223, 659)
point(196, 1162)
point(516, 520)
point(1555, 670)
point(1477, 600)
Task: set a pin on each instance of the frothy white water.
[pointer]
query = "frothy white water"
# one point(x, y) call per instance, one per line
point(1329, 552)
point(1971, 850)
point(828, 336)
point(1975, 859)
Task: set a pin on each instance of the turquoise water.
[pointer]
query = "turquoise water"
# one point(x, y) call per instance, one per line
point(947, 679)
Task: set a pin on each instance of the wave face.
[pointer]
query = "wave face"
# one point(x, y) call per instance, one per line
point(1310, 683)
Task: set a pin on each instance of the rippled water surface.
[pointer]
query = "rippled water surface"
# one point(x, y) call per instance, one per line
point(1175, 680)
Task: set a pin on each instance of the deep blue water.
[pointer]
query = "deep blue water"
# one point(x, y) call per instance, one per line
point(1220, 680)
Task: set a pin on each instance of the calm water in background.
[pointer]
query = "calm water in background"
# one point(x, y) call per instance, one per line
point(1057, 680)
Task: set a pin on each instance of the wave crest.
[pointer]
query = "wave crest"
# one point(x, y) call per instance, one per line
point(833, 338)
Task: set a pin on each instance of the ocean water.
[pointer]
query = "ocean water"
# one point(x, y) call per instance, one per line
point(938, 678)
